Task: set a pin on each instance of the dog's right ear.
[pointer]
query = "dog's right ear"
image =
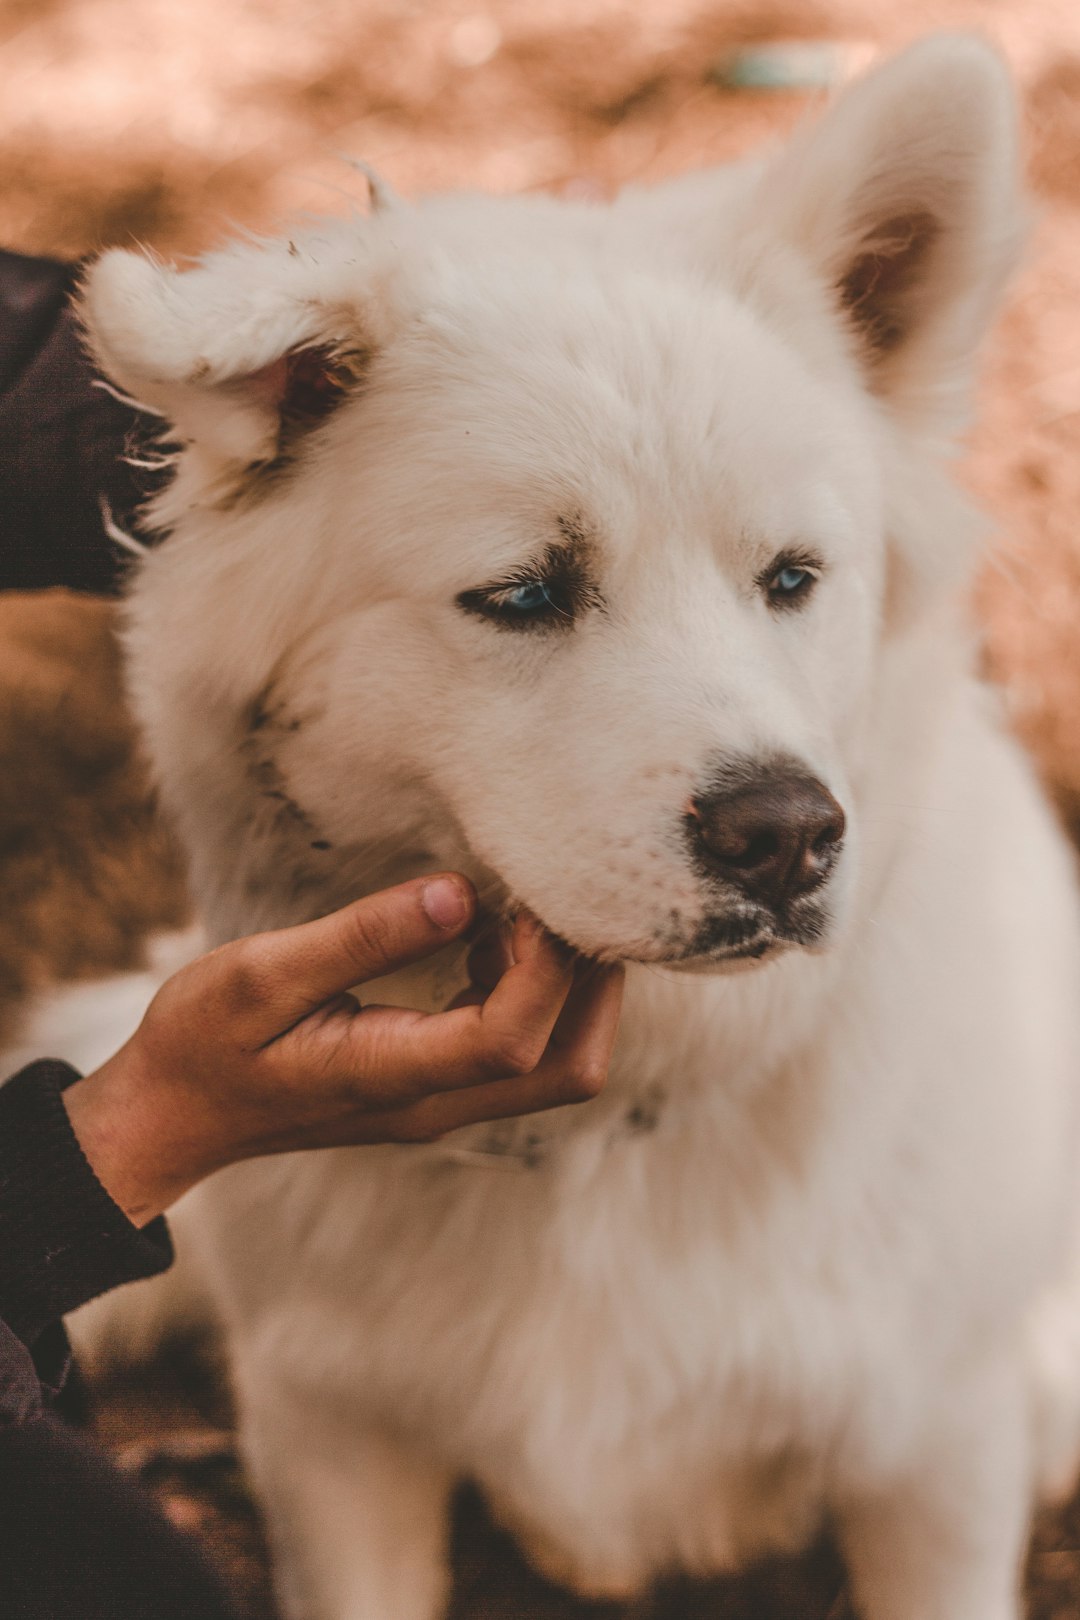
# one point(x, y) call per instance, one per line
point(240, 355)
point(905, 199)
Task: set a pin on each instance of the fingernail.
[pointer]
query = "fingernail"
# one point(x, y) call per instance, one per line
point(445, 902)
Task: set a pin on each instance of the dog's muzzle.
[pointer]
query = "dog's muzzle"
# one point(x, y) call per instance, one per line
point(765, 838)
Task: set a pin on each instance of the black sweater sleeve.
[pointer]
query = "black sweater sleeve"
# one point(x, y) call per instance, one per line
point(63, 447)
point(62, 1239)
point(64, 441)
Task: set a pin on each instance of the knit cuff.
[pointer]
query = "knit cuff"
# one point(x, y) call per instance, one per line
point(62, 1239)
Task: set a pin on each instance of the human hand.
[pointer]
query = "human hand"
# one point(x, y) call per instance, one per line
point(256, 1048)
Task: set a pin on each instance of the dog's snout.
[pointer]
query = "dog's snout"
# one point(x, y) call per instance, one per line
point(775, 836)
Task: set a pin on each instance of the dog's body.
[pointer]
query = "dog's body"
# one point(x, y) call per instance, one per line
point(624, 515)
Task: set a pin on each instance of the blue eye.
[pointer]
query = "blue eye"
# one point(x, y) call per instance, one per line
point(535, 597)
point(788, 582)
point(547, 601)
point(532, 603)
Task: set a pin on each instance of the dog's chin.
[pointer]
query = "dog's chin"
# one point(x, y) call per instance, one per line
point(738, 945)
point(723, 943)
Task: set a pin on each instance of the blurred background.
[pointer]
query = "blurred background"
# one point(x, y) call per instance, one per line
point(173, 122)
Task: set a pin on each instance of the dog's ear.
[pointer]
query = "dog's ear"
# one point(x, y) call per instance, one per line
point(906, 199)
point(240, 355)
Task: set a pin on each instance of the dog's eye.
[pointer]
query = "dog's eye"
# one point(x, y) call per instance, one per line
point(789, 581)
point(552, 591)
point(528, 600)
point(522, 604)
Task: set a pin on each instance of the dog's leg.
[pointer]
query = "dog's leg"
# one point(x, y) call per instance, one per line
point(358, 1524)
point(945, 1540)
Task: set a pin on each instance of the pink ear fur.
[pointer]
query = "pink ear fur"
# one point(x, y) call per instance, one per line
point(906, 199)
point(239, 355)
point(306, 385)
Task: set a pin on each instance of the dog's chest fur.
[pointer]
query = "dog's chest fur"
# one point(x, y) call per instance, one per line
point(616, 1316)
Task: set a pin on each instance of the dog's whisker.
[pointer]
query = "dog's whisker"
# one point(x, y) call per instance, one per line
point(120, 536)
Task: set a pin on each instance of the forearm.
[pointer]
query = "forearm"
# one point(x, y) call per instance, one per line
point(144, 1152)
point(63, 1239)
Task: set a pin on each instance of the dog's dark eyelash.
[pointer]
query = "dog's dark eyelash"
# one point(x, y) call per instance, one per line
point(561, 588)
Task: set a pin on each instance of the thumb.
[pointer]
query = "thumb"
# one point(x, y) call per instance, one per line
point(299, 969)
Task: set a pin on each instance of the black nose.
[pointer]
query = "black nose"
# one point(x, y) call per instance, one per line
point(775, 836)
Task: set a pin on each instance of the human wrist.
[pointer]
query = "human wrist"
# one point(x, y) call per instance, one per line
point(125, 1121)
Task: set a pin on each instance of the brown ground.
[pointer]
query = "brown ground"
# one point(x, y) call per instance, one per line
point(81, 884)
point(149, 119)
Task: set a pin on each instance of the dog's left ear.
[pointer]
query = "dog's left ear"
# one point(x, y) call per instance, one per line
point(906, 199)
point(241, 355)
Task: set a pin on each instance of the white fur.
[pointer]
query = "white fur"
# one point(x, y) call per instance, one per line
point(824, 1284)
point(84, 1022)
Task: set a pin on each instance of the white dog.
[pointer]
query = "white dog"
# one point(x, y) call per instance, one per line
point(610, 555)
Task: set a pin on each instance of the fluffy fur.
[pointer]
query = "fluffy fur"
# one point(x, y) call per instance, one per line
point(807, 1257)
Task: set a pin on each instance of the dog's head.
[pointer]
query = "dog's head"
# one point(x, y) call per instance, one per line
point(562, 542)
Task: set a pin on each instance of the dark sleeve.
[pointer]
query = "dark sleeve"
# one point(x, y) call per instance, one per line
point(62, 1239)
point(63, 441)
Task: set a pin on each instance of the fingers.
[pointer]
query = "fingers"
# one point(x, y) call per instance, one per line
point(541, 1037)
point(276, 979)
point(573, 1069)
point(517, 1019)
point(489, 957)
point(548, 1041)
point(585, 1031)
point(504, 1035)
point(489, 961)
